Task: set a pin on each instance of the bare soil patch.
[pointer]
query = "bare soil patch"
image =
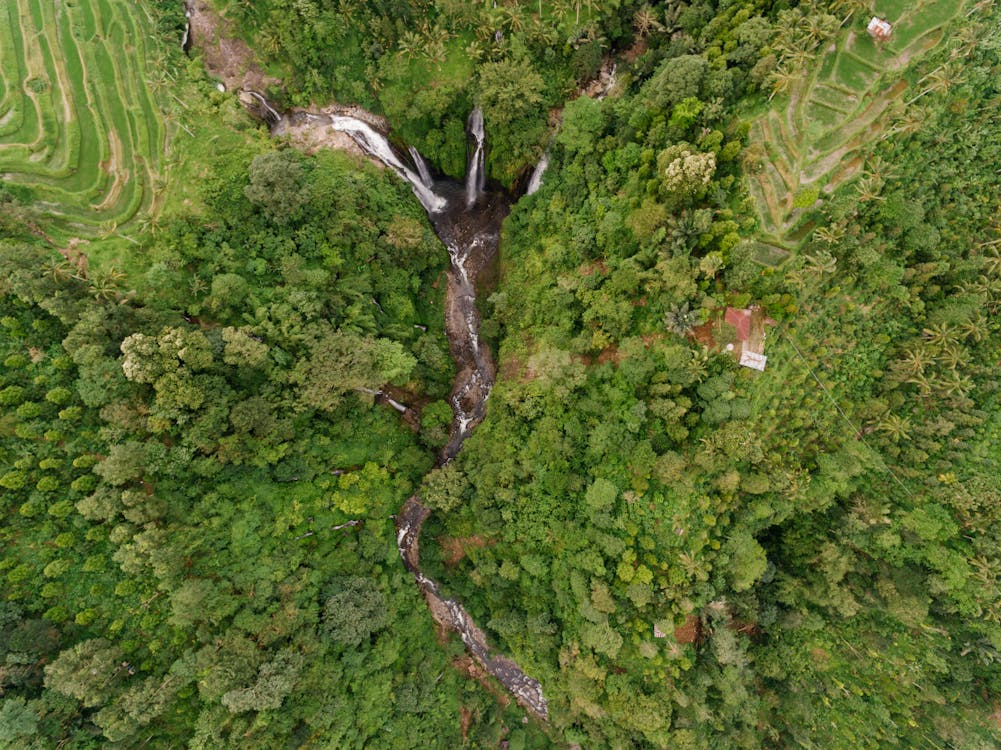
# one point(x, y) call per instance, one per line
point(456, 548)
point(226, 56)
point(690, 631)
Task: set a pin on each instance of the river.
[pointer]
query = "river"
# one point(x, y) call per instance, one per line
point(467, 217)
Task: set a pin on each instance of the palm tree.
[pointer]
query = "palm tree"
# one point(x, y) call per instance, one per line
point(831, 234)
point(692, 565)
point(270, 41)
point(514, 21)
point(954, 357)
point(879, 170)
point(868, 189)
point(681, 319)
point(913, 363)
point(103, 287)
point(974, 329)
point(60, 271)
point(410, 45)
point(941, 334)
point(922, 382)
point(956, 384)
point(897, 428)
point(645, 21)
point(821, 263)
point(698, 365)
point(992, 261)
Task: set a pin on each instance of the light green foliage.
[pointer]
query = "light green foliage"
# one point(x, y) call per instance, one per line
point(582, 121)
point(89, 672)
point(443, 488)
point(600, 495)
point(354, 609)
point(747, 561)
point(340, 362)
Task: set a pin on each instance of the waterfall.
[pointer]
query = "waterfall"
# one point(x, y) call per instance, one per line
point(422, 167)
point(375, 144)
point(607, 82)
point(271, 111)
point(471, 238)
point(540, 169)
point(475, 177)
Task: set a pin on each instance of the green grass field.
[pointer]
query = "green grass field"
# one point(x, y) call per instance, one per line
point(80, 127)
point(813, 137)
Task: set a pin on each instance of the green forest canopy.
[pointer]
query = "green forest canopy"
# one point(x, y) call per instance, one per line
point(684, 552)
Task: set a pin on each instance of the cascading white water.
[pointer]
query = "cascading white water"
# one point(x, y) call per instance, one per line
point(272, 112)
point(422, 167)
point(608, 82)
point(475, 176)
point(375, 144)
point(535, 181)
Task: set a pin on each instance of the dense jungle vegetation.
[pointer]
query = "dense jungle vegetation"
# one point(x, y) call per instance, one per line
point(197, 487)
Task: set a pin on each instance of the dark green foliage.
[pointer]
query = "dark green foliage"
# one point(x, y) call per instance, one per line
point(278, 185)
point(198, 548)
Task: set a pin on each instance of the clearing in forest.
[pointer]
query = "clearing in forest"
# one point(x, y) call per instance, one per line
point(81, 133)
point(813, 137)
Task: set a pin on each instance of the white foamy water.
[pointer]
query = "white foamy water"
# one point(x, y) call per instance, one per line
point(422, 167)
point(535, 181)
point(375, 144)
point(475, 176)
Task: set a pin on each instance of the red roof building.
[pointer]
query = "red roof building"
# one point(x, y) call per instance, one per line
point(879, 29)
point(741, 320)
point(750, 323)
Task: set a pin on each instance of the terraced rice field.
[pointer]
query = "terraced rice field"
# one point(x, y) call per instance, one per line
point(814, 136)
point(80, 129)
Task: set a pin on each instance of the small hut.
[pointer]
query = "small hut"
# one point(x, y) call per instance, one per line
point(750, 324)
point(879, 29)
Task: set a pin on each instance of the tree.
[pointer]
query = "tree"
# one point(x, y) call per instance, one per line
point(199, 599)
point(278, 185)
point(645, 21)
point(443, 488)
point(242, 349)
point(582, 123)
point(355, 608)
point(339, 362)
point(18, 723)
point(678, 78)
point(685, 174)
point(681, 319)
point(88, 671)
point(125, 463)
point(600, 495)
point(747, 561)
point(275, 680)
